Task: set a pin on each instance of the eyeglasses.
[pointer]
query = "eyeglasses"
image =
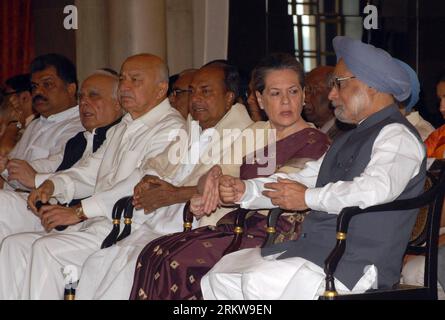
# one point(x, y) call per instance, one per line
point(176, 92)
point(336, 82)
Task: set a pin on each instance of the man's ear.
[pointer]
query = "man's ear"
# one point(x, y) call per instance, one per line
point(163, 88)
point(72, 89)
point(230, 99)
point(117, 105)
point(259, 98)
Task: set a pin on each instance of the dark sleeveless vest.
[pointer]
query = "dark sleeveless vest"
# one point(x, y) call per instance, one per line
point(374, 238)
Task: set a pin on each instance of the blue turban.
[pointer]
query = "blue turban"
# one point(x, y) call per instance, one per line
point(373, 66)
point(415, 87)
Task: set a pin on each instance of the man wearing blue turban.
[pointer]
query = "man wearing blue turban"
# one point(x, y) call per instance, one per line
point(407, 107)
point(381, 160)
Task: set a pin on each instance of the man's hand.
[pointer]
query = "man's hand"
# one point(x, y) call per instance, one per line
point(3, 163)
point(21, 171)
point(197, 206)
point(53, 216)
point(208, 187)
point(231, 189)
point(42, 193)
point(152, 193)
point(287, 194)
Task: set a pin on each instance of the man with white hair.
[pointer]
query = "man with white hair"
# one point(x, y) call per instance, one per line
point(37, 258)
point(381, 160)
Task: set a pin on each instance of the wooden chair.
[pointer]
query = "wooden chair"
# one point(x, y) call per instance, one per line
point(424, 240)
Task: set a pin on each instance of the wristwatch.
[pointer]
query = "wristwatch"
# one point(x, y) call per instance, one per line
point(80, 214)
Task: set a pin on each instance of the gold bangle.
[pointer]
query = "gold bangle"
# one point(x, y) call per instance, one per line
point(238, 230)
point(80, 214)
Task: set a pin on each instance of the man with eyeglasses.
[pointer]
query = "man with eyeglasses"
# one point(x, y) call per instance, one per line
point(144, 132)
point(317, 108)
point(179, 92)
point(381, 160)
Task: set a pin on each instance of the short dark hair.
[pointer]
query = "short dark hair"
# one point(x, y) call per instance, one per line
point(65, 68)
point(171, 81)
point(275, 61)
point(232, 78)
point(19, 83)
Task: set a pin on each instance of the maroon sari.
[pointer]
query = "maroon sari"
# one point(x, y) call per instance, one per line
point(171, 267)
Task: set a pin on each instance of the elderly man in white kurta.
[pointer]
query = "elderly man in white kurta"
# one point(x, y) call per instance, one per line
point(54, 89)
point(108, 274)
point(35, 260)
point(381, 160)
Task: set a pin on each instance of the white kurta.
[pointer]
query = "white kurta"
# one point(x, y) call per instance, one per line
point(46, 137)
point(396, 158)
point(422, 126)
point(42, 146)
point(127, 144)
point(108, 273)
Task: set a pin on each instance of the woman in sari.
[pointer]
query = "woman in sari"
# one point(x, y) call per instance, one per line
point(172, 266)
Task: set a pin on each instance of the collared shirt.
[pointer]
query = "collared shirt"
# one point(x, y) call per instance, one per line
point(89, 137)
point(395, 159)
point(127, 144)
point(44, 140)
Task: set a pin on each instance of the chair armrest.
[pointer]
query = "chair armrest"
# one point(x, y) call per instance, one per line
point(272, 219)
point(432, 197)
point(187, 216)
point(238, 231)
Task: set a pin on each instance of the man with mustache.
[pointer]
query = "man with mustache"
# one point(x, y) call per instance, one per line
point(214, 90)
point(143, 133)
point(381, 160)
point(54, 94)
point(179, 92)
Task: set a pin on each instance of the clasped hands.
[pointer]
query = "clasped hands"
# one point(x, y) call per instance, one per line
point(50, 216)
point(152, 193)
point(217, 189)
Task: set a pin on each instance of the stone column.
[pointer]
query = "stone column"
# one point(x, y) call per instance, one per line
point(91, 37)
point(179, 35)
point(136, 26)
point(210, 30)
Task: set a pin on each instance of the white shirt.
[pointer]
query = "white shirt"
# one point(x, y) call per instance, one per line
point(163, 220)
point(395, 159)
point(89, 136)
point(422, 126)
point(127, 144)
point(44, 140)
